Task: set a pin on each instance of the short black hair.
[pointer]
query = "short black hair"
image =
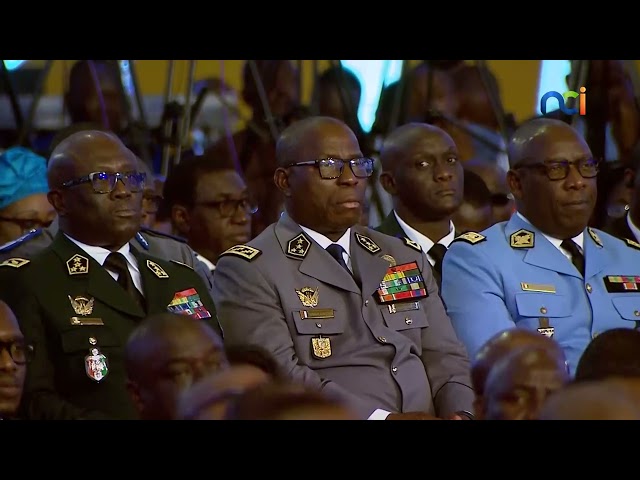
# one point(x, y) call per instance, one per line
point(476, 191)
point(340, 76)
point(613, 353)
point(255, 356)
point(180, 185)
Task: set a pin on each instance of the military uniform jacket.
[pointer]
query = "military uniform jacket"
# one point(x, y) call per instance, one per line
point(512, 276)
point(155, 243)
point(287, 294)
point(620, 228)
point(67, 304)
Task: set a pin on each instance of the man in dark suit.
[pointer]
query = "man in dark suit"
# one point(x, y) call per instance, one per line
point(628, 226)
point(423, 174)
point(342, 308)
point(80, 298)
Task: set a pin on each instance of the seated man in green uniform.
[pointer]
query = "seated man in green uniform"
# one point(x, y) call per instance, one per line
point(80, 298)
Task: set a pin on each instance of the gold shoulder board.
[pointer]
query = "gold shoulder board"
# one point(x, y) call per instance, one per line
point(471, 237)
point(15, 262)
point(632, 244)
point(243, 251)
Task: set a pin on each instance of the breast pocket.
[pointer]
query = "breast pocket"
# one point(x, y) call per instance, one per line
point(88, 352)
point(318, 321)
point(538, 310)
point(628, 307)
point(408, 319)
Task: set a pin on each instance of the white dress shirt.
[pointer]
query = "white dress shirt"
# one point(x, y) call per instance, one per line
point(579, 239)
point(206, 261)
point(345, 242)
point(634, 229)
point(100, 255)
point(425, 242)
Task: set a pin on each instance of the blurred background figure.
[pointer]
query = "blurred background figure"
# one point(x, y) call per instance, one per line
point(23, 193)
point(286, 402)
point(475, 213)
point(611, 354)
point(499, 347)
point(165, 355)
point(518, 385)
point(597, 400)
point(14, 355)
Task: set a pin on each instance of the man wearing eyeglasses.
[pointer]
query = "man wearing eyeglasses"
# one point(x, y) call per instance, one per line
point(544, 269)
point(342, 308)
point(81, 297)
point(214, 214)
point(14, 354)
point(423, 174)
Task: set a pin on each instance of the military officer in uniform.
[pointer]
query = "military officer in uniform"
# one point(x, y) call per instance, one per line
point(341, 307)
point(424, 176)
point(544, 269)
point(80, 298)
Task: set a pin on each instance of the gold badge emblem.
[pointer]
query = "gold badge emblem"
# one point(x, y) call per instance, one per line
point(471, 237)
point(367, 243)
point(321, 347)
point(522, 239)
point(298, 246)
point(78, 265)
point(15, 262)
point(243, 251)
point(632, 244)
point(82, 305)
point(594, 236)
point(308, 296)
point(157, 269)
point(412, 244)
point(390, 259)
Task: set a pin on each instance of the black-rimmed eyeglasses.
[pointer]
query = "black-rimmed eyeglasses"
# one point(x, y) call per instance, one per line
point(331, 168)
point(227, 208)
point(105, 182)
point(19, 351)
point(559, 170)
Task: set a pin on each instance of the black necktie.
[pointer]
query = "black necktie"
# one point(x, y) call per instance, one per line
point(116, 262)
point(336, 252)
point(437, 253)
point(577, 258)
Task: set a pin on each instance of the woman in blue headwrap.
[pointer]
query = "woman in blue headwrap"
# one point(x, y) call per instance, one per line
point(23, 193)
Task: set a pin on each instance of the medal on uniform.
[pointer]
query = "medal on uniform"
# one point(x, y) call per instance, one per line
point(95, 364)
point(321, 347)
point(545, 329)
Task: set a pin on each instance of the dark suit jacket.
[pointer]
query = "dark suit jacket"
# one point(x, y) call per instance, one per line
point(40, 293)
point(390, 226)
point(620, 228)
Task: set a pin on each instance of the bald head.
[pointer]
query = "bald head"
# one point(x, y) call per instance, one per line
point(501, 345)
point(292, 139)
point(403, 138)
point(532, 133)
point(518, 384)
point(74, 150)
point(599, 400)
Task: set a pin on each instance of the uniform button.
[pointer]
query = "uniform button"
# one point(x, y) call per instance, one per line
point(319, 325)
point(382, 340)
point(394, 369)
point(92, 340)
point(589, 288)
point(543, 310)
point(408, 321)
point(366, 302)
point(595, 334)
point(637, 313)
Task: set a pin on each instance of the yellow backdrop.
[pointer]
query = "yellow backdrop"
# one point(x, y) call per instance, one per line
point(518, 79)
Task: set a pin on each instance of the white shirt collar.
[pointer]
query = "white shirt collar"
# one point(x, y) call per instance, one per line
point(99, 254)
point(206, 261)
point(425, 242)
point(634, 229)
point(579, 239)
point(344, 241)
